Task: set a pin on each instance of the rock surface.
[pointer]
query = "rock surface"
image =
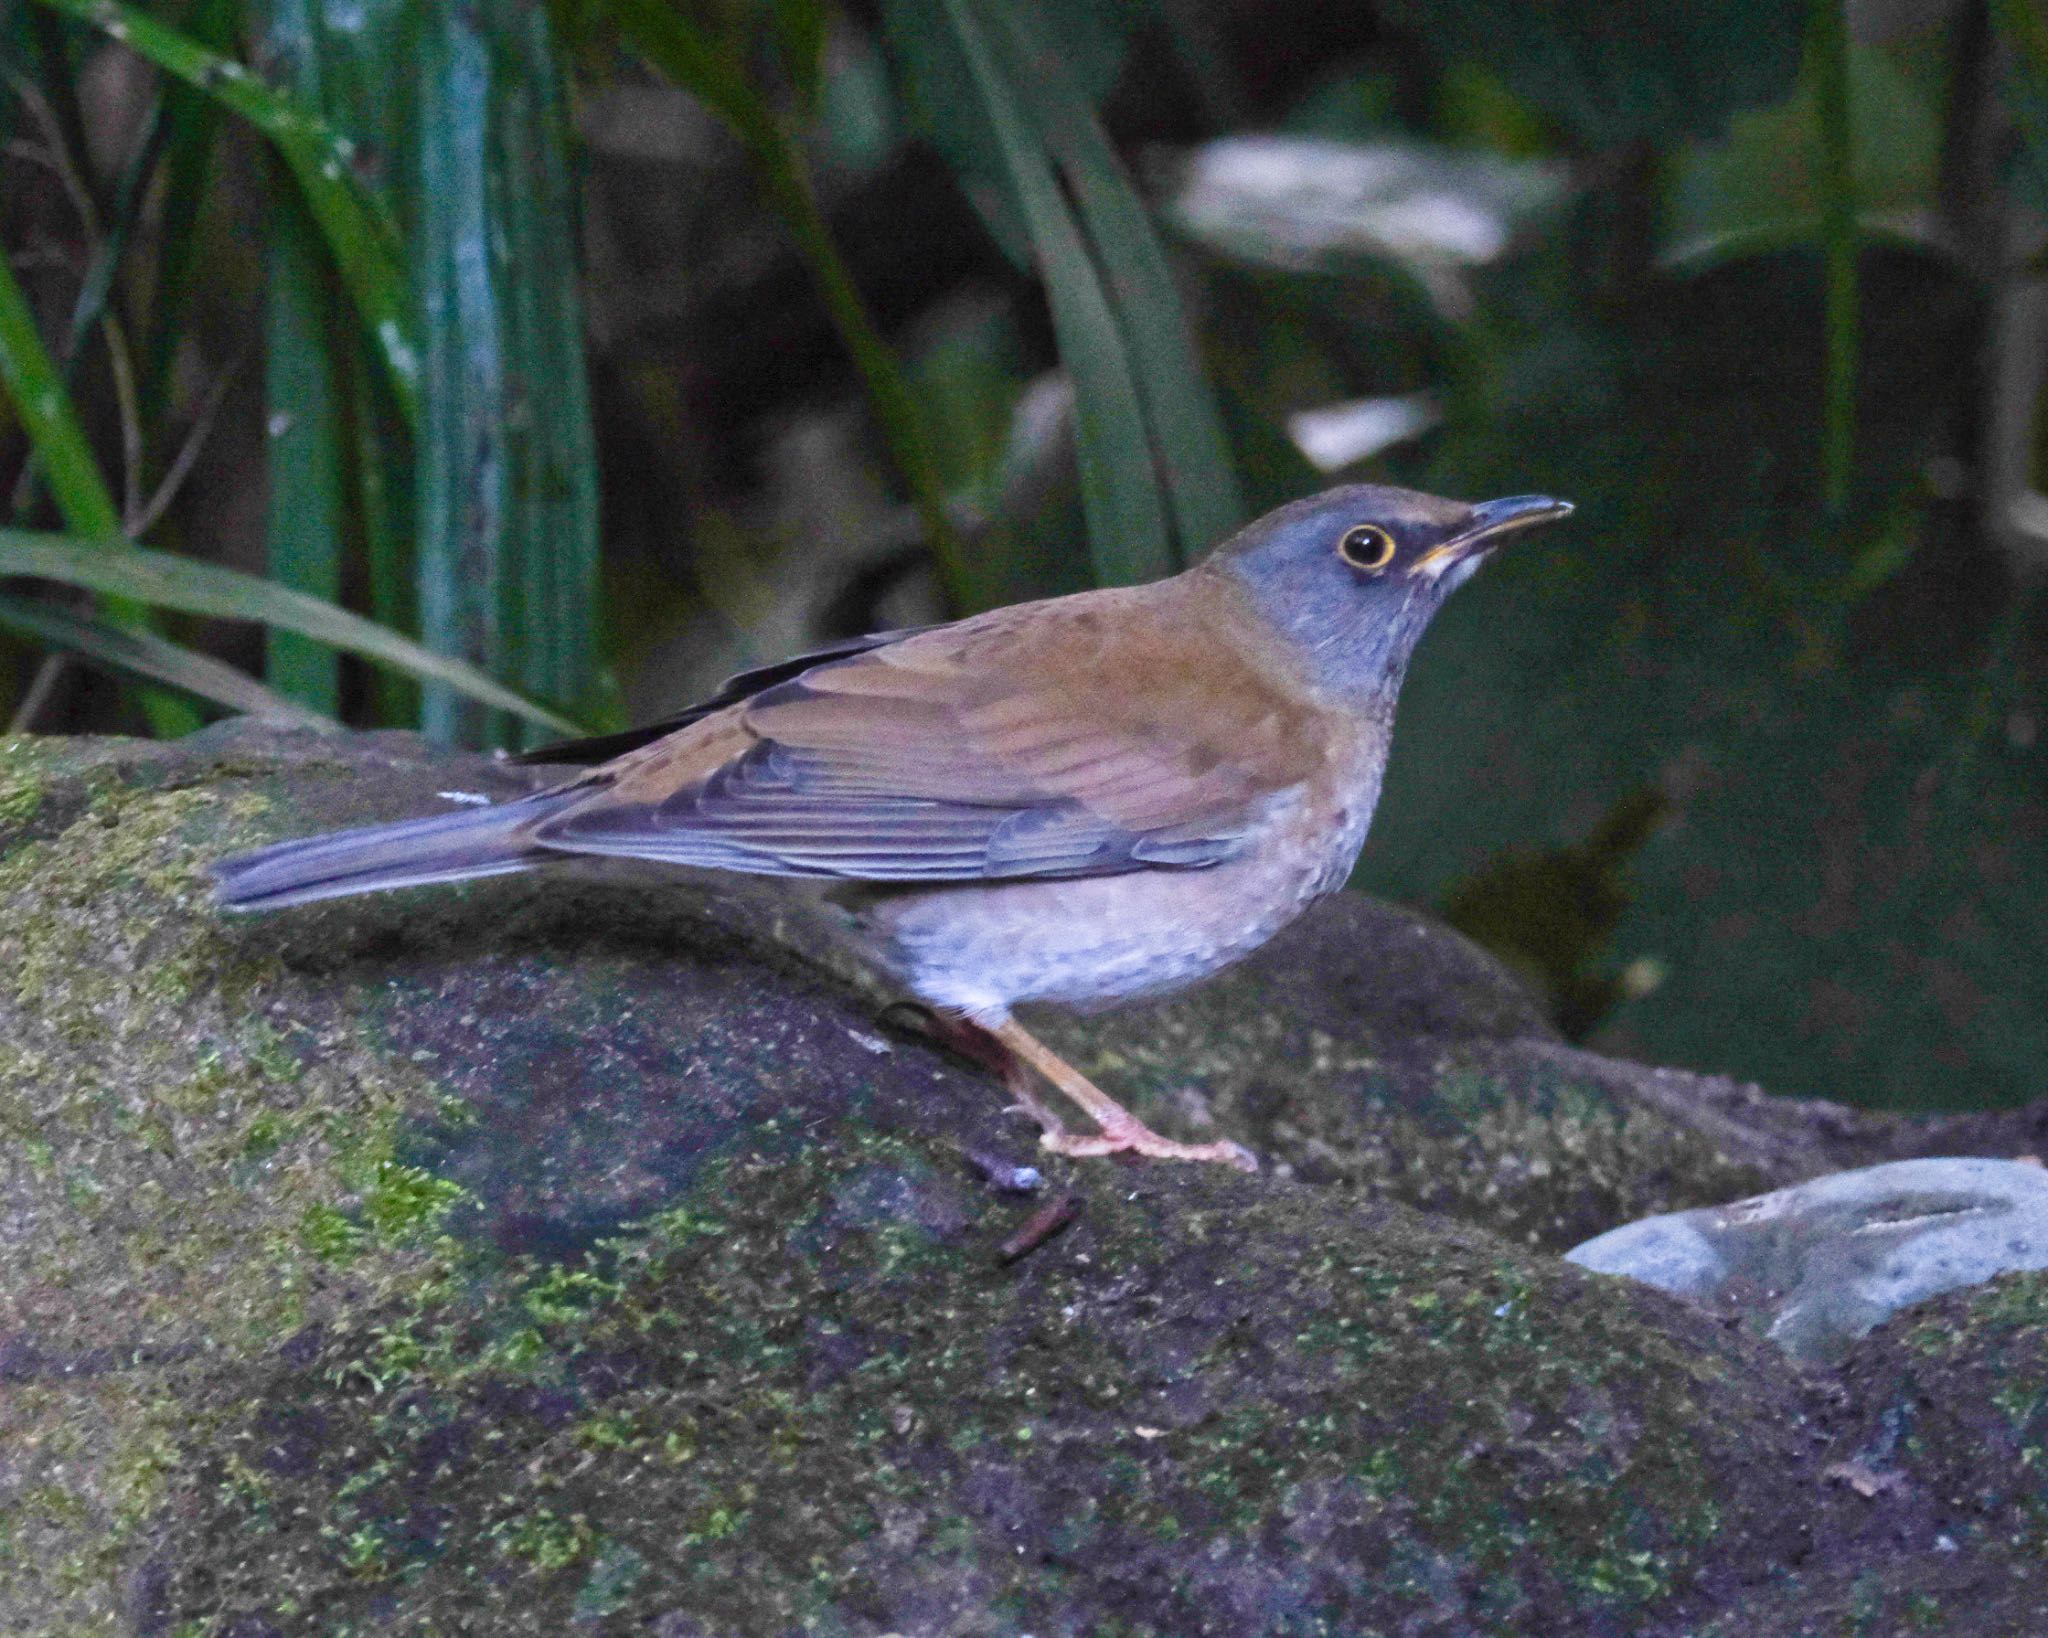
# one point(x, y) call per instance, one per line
point(571, 1256)
point(1818, 1265)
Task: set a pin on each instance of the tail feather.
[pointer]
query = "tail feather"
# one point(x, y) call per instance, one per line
point(449, 847)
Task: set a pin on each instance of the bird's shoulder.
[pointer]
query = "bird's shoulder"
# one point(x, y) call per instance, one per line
point(1182, 661)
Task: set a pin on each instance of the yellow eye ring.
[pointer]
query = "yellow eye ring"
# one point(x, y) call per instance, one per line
point(1366, 546)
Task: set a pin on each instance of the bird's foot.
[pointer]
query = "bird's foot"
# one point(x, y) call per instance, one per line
point(1136, 1138)
point(1014, 1054)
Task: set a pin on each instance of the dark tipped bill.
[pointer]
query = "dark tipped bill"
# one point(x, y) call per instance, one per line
point(1494, 519)
point(1492, 522)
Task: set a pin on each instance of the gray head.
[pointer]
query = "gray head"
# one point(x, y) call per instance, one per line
point(1355, 574)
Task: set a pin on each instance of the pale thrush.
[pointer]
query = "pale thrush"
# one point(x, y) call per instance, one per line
point(1079, 800)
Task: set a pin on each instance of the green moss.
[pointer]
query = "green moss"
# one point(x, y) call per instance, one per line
point(543, 1539)
point(406, 1204)
point(330, 1233)
point(173, 1144)
point(691, 1355)
point(21, 791)
point(1540, 1155)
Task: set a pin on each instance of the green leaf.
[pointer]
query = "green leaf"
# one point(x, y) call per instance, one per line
point(948, 110)
point(801, 28)
point(700, 66)
point(303, 529)
point(76, 485)
point(2024, 29)
point(507, 474)
point(166, 580)
point(89, 306)
point(952, 114)
point(696, 62)
point(556, 510)
point(1179, 408)
point(357, 228)
point(192, 121)
point(1128, 536)
point(1759, 186)
point(302, 395)
point(359, 58)
point(46, 413)
point(143, 654)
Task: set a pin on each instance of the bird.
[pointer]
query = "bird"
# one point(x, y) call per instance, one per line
point(1080, 800)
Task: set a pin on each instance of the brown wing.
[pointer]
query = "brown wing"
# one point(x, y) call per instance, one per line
point(1084, 736)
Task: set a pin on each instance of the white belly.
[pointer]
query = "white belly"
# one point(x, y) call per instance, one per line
point(1101, 939)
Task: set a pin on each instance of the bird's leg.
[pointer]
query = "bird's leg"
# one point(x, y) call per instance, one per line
point(980, 1046)
point(1121, 1131)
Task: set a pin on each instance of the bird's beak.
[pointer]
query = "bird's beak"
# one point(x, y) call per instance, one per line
point(1492, 522)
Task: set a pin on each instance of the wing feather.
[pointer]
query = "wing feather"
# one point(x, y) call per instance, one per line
point(1053, 739)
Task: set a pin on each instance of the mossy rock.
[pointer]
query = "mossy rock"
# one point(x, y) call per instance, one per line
point(1372, 1047)
point(1940, 1450)
point(806, 1397)
point(576, 1255)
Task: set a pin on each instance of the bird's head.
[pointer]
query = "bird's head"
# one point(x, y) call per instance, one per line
point(1354, 575)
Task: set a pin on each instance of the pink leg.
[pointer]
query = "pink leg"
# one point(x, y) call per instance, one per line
point(1121, 1132)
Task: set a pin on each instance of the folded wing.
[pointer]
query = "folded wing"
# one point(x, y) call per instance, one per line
point(1056, 739)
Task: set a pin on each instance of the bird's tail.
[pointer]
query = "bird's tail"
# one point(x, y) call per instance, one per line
point(449, 847)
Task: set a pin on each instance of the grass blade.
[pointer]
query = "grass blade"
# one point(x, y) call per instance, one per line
point(1128, 537)
point(553, 512)
point(354, 222)
point(166, 580)
point(191, 122)
point(40, 400)
point(1179, 408)
point(90, 307)
point(305, 518)
point(801, 28)
point(302, 402)
point(143, 654)
point(678, 49)
point(507, 499)
point(69, 468)
point(366, 54)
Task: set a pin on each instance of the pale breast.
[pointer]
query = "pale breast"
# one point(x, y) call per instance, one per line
point(1097, 940)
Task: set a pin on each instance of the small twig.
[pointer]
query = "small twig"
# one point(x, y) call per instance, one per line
point(42, 254)
point(152, 510)
point(62, 160)
point(121, 366)
point(42, 688)
point(29, 153)
point(1049, 1220)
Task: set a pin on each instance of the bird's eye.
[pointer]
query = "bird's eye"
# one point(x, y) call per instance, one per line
point(1366, 546)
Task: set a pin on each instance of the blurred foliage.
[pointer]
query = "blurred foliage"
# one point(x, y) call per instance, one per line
point(356, 315)
point(1553, 914)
